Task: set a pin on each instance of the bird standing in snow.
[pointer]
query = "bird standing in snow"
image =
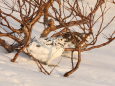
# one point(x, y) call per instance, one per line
point(47, 49)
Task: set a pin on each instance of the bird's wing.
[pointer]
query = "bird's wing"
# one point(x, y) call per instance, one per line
point(55, 53)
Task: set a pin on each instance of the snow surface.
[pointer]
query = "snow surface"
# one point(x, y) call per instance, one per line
point(97, 68)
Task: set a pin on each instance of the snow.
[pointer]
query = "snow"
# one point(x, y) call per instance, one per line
point(97, 68)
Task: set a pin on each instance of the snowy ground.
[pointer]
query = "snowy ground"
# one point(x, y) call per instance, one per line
point(97, 69)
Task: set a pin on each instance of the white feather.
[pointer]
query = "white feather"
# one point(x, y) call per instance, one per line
point(47, 49)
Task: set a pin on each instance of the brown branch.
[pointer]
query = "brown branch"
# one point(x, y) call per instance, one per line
point(93, 47)
point(71, 23)
point(8, 47)
point(40, 12)
point(98, 4)
point(77, 65)
point(10, 36)
point(39, 65)
point(28, 28)
point(100, 45)
point(11, 16)
point(27, 31)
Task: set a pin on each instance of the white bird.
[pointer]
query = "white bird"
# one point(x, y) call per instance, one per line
point(47, 49)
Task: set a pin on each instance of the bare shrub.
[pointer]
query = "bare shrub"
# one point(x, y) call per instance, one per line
point(62, 15)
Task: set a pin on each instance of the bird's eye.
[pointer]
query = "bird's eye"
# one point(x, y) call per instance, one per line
point(46, 38)
point(37, 45)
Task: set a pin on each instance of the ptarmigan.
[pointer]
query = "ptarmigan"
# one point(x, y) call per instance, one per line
point(47, 49)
